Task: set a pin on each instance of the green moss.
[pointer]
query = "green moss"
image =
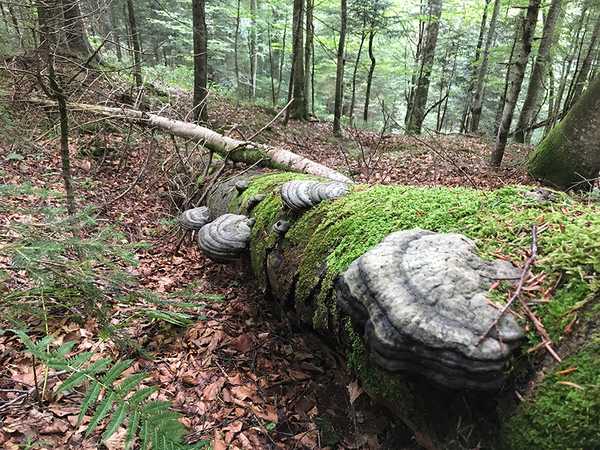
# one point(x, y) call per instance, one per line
point(335, 233)
point(564, 413)
point(546, 161)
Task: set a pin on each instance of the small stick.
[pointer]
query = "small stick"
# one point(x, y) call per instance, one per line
point(524, 274)
point(272, 120)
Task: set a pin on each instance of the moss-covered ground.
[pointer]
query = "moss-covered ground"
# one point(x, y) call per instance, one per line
point(335, 233)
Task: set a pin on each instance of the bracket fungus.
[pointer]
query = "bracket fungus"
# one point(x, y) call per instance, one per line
point(195, 218)
point(226, 238)
point(421, 297)
point(300, 194)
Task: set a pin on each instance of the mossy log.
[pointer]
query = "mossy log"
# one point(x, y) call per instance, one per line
point(570, 154)
point(299, 257)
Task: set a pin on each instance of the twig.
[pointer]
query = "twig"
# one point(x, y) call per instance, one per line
point(515, 295)
point(272, 120)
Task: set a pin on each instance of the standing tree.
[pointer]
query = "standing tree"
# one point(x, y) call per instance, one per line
point(339, 76)
point(477, 97)
point(415, 119)
point(517, 72)
point(76, 37)
point(200, 60)
point(538, 74)
point(297, 109)
point(253, 53)
point(569, 157)
point(135, 42)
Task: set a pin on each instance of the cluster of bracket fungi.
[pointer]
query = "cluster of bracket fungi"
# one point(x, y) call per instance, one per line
point(419, 296)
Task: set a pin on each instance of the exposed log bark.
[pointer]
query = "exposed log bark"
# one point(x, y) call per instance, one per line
point(238, 151)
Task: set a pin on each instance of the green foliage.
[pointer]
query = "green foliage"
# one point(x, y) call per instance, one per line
point(154, 422)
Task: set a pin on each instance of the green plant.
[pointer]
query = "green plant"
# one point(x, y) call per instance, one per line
point(128, 401)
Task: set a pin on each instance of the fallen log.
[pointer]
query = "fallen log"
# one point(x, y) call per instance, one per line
point(233, 149)
point(397, 278)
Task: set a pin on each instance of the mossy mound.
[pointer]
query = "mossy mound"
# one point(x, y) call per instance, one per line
point(327, 238)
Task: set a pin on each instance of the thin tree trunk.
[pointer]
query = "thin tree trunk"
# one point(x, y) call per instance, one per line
point(550, 100)
point(135, 42)
point(235, 48)
point(200, 61)
point(516, 81)
point(271, 66)
point(115, 32)
point(586, 65)
point(308, 46)
point(370, 74)
point(282, 58)
point(464, 122)
point(477, 97)
point(252, 47)
point(363, 36)
point(339, 76)
point(415, 122)
point(15, 22)
point(540, 69)
point(298, 108)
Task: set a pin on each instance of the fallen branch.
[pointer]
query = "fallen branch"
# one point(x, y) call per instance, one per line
point(238, 151)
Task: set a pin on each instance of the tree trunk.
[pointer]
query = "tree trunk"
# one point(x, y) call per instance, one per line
point(586, 65)
point(339, 76)
point(308, 56)
point(200, 61)
point(516, 80)
point(135, 42)
point(477, 101)
point(540, 69)
point(370, 74)
point(115, 32)
point(363, 36)
point(570, 154)
point(502, 101)
point(76, 36)
point(415, 121)
point(232, 149)
point(235, 48)
point(298, 109)
point(253, 52)
point(271, 66)
point(464, 122)
point(282, 59)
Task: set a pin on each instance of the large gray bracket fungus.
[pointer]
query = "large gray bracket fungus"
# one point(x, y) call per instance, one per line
point(301, 194)
point(421, 297)
point(195, 218)
point(227, 238)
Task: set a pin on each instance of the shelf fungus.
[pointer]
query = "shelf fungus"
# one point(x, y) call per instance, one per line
point(226, 238)
point(299, 195)
point(195, 218)
point(421, 297)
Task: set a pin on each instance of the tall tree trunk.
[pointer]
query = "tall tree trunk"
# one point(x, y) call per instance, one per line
point(200, 60)
point(370, 74)
point(115, 32)
point(551, 100)
point(271, 66)
point(500, 107)
point(586, 65)
point(308, 46)
point(298, 108)
point(570, 154)
point(363, 36)
point(135, 42)
point(415, 122)
point(236, 39)
point(464, 122)
point(516, 81)
point(540, 69)
point(253, 52)
point(477, 100)
point(76, 36)
point(282, 58)
point(339, 76)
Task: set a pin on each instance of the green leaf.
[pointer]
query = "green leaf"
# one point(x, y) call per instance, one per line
point(142, 394)
point(131, 382)
point(115, 372)
point(90, 398)
point(100, 413)
point(74, 380)
point(132, 426)
point(116, 421)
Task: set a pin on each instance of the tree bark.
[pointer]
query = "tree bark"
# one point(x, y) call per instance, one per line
point(339, 76)
point(298, 109)
point(235, 48)
point(477, 100)
point(253, 52)
point(570, 154)
point(540, 69)
point(233, 149)
point(76, 36)
point(370, 74)
point(516, 81)
point(200, 61)
point(308, 56)
point(135, 42)
point(363, 36)
point(417, 115)
point(115, 32)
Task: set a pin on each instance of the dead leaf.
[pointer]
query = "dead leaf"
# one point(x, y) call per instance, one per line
point(354, 390)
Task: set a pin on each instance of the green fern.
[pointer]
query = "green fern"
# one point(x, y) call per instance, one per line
point(154, 422)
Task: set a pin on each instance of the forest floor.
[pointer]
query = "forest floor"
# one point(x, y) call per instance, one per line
point(246, 376)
